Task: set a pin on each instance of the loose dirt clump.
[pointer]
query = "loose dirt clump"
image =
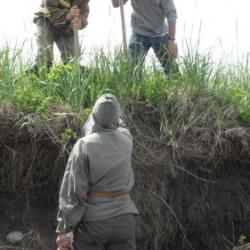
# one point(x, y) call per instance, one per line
point(192, 187)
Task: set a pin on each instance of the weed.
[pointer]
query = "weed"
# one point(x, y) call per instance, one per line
point(67, 135)
point(200, 86)
point(241, 240)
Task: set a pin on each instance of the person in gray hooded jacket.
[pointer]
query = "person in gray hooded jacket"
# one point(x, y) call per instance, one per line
point(94, 199)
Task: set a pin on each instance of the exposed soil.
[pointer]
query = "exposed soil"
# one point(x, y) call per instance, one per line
point(192, 189)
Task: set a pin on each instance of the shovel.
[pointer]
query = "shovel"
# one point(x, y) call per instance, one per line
point(76, 47)
point(124, 35)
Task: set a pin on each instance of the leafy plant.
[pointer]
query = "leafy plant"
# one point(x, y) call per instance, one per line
point(241, 240)
point(200, 85)
point(67, 135)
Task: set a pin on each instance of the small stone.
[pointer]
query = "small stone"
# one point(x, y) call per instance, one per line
point(14, 236)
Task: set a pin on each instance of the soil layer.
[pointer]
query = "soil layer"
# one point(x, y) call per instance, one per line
point(192, 188)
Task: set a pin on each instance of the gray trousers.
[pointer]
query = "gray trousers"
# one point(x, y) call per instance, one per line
point(47, 36)
point(117, 233)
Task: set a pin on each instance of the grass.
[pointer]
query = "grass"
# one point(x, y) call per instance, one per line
point(201, 86)
point(206, 99)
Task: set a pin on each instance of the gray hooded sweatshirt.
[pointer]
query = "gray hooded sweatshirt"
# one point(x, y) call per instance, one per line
point(149, 16)
point(101, 162)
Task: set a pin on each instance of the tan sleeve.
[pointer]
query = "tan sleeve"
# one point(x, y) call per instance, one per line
point(56, 14)
point(170, 10)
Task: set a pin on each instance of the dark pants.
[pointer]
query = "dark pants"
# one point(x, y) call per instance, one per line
point(117, 233)
point(47, 36)
point(139, 46)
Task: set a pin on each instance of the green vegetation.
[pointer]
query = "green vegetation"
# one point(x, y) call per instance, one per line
point(211, 94)
point(67, 135)
point(241, 240)
point(191, 176)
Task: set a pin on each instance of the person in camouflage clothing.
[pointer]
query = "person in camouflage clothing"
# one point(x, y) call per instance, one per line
point(56, 21)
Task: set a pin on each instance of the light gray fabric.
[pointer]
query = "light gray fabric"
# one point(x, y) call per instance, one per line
point(149, 16)
point(100, 161)
point(116, 233)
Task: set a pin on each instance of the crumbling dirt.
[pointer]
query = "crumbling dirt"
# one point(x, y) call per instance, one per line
point(192, 188)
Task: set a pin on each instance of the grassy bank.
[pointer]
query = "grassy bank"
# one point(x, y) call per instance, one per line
point(200, 86)
point(191, 142)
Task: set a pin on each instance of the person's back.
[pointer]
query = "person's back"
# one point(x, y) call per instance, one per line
point(109, 154)
point(94, 197)
point(149, 16)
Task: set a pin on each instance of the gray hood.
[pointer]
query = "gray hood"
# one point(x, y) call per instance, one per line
point(105, 115)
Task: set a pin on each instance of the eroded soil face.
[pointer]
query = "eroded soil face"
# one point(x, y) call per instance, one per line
point(37, 225)
point(192, 190)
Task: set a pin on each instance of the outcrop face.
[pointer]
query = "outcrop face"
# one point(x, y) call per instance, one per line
point(192, 188)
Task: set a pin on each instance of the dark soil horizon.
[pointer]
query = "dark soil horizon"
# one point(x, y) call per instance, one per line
point(192, 189)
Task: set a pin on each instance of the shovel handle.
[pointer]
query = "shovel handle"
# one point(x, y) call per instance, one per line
point(124, 35)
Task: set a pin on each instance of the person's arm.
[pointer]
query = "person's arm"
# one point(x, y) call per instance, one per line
point(84, 12)
point(171, 30)
point(62, 14)
point(171, 15)
point(116, 4)
point(170, 11)
point(73, 192)
point(172, 45)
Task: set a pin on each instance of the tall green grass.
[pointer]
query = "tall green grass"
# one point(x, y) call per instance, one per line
point(200, 86)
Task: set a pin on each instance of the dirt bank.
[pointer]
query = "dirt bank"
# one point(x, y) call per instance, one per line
point(192, 188)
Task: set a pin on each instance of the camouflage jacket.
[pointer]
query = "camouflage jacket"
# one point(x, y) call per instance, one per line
point(56, 11)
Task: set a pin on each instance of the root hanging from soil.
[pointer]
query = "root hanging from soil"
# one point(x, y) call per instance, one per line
point(192, 187)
